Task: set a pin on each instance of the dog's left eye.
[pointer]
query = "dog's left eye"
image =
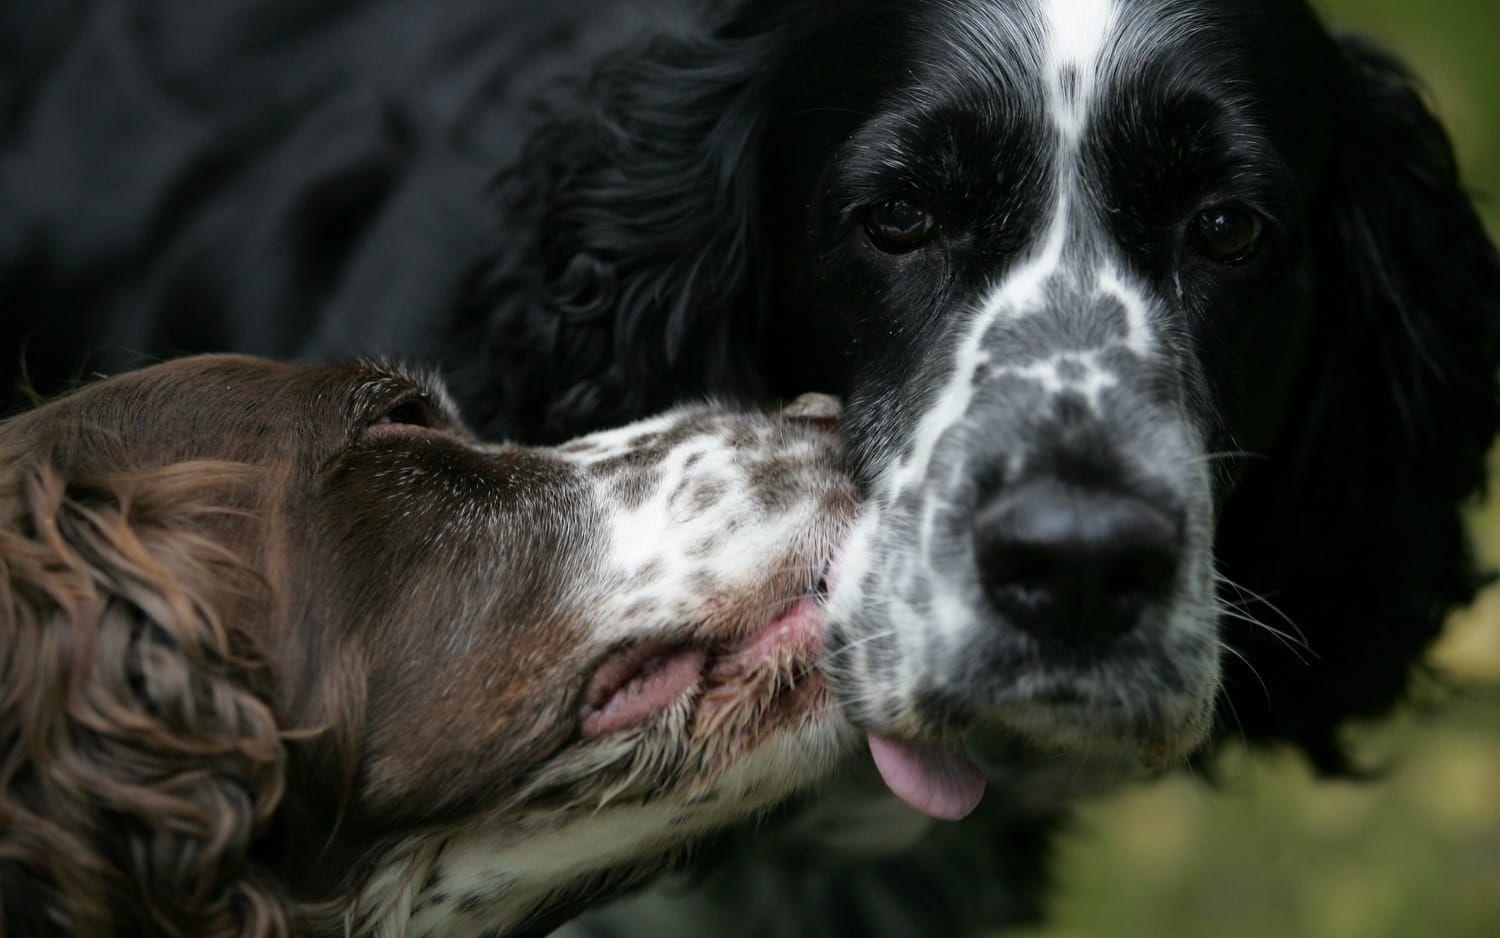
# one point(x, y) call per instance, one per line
point(1228, 234)
point(412, 413)
point(897, 226)
point(414, 418)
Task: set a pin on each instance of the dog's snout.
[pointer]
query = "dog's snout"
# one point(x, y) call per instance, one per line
point(1074, 565)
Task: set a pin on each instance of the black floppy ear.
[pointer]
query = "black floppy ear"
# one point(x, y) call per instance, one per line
point(1353, 528)
point(637, 286)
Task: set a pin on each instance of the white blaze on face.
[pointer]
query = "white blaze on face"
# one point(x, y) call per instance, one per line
point(1077, 33)
point(1073, 44)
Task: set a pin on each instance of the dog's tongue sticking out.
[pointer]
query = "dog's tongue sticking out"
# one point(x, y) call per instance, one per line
point(938, 779)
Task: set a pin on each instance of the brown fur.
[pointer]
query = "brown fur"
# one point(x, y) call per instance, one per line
point(256, 653)
point(142, 755)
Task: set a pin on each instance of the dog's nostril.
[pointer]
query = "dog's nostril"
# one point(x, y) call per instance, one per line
point(1074, 564)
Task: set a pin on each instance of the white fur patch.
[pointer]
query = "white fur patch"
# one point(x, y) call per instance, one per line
point(1137, 318)
point(1077, 34)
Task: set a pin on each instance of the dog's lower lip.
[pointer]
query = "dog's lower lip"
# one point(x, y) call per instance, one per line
point(637, 683)
point(772, 673)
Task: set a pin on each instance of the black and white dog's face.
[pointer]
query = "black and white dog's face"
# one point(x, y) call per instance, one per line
point(1067, 252)
point(1119, 294)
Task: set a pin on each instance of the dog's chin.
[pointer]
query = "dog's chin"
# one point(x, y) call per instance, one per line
point(1137, 704)
point(1073, 719)
point(1117, 709)
point(1152, 734)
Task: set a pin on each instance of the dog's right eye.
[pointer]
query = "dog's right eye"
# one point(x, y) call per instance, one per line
point(897, 226)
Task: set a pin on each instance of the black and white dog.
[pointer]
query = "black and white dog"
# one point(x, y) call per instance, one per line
point(1168, 334)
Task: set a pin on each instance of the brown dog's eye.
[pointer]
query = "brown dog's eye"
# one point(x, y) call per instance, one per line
point(1227, 234)
point(897, 226)
point(415, 418)
point(412, 413)
point(412, 416)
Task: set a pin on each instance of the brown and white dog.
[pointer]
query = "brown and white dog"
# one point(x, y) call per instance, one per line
point(284, 650)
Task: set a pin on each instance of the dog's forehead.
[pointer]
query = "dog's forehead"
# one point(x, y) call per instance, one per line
point(1057, 33)
point(1069, 62)
point(1061, 44)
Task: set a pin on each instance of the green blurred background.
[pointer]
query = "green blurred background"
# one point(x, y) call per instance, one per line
point(1270, 850)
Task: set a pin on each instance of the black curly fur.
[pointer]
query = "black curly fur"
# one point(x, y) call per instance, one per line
point(637, 287)
point(1352, 529)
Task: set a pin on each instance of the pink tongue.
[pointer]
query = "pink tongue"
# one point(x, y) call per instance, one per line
point(937, 779)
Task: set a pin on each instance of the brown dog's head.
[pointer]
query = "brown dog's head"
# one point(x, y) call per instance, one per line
point(284, 650)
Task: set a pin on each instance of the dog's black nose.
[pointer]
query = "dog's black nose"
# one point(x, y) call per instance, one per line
point(1071, 564)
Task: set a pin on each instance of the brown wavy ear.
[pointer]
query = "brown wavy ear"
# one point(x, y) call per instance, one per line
point(139, 755)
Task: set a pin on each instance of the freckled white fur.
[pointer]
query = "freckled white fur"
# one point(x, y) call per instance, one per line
point(1048, 373)
point(1017, 295)
point(664, 529)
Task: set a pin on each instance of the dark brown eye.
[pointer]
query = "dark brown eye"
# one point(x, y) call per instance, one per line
point(412, 417)
point(898, 226)
point(1227, 234)
point(412, 413)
